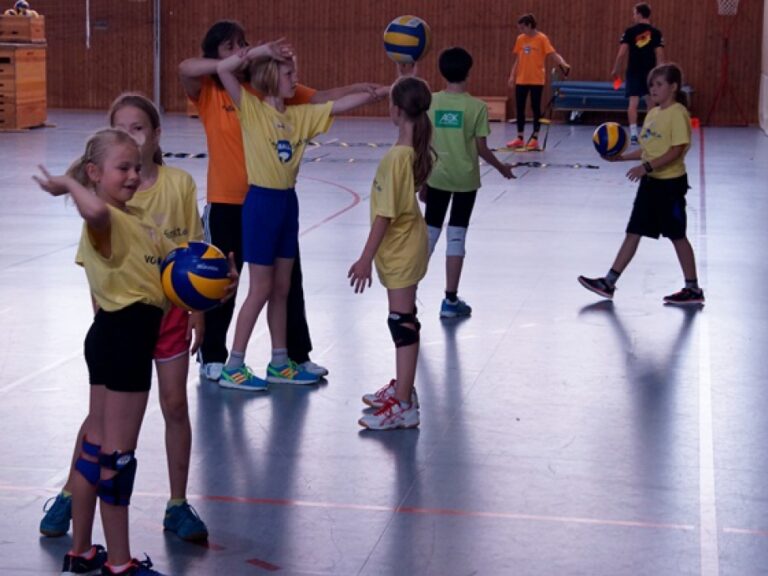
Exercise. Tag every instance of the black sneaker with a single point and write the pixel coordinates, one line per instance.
(598, 286)
(686, 297)
(77, 565)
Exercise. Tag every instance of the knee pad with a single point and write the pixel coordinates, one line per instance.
(403, 335)
(456, 238)
(89, 469)
(118, 489)
(433, 233)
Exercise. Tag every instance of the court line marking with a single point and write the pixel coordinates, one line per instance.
(32, 375)
(356, 199)
(708, 530)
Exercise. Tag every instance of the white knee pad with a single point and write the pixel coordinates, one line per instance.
(456, 240)
(434, 236)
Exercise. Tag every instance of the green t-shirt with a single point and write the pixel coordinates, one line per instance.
(458, 119)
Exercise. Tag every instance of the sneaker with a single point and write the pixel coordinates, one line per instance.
(55, 523)
(184, 521)
(598, 286)
(686, 297)
(211, 371)
(633, 141)
(290, 373)
(314, 369)
(450, 309)
(516, 143)
(382, 395)
(143, 568)
(391, 415)
(533, 144)
(242, 379)
(91, 566)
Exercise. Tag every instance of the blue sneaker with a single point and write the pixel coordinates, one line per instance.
(78, 565)
(55, 523)
(242, 379)
(143, 568)
(184, 521)
(290, 373)
(456, 309)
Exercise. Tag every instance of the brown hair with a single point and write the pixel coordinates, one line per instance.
(527, 20)
(136, 100)
(413, 97)
(672, 74)
(96, 149)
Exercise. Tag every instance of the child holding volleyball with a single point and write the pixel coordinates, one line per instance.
(120, 252)
(275, 137)
(659, 207)
(169, 196)
(398, 245)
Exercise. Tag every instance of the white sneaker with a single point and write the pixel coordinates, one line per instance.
(211, 371)
(380, 397)
(314, 369)
(391, 416)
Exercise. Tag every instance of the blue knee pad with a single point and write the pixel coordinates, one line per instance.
(403, 335)
(118, 489)
(89, 469)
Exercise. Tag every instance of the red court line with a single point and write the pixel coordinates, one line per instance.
(263, 564)
(355, 202)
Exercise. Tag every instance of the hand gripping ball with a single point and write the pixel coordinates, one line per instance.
(610, 139)
(194, 276)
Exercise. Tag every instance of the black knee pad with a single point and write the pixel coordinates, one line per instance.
(118, 489)
(89, 469)
(403, 335)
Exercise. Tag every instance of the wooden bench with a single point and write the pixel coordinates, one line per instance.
(497, 107)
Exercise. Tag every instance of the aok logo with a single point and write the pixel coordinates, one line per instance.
(449, 118)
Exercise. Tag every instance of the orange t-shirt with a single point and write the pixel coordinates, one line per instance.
(531, 53)
(227, 178)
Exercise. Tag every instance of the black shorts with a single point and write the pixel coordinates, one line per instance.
(120, 345)
(659, 208)
(437, 207)
(636, 83)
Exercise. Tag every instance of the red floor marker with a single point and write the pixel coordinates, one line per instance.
(263, 564)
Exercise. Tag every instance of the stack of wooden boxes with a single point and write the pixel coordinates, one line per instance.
(23, 100)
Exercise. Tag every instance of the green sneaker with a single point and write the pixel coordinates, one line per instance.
(242, 379)
(290, 373)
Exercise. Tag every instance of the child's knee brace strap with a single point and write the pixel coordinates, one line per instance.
(118, 489)
(433, 234)
(403, 335)
(456, 238)
(89, 469)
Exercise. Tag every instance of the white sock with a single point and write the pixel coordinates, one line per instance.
(633, 130)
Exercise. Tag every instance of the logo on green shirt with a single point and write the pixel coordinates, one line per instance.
(449, 118)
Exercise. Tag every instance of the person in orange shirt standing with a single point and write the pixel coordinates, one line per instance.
(528, 76)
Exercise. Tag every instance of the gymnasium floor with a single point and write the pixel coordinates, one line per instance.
(559, 434)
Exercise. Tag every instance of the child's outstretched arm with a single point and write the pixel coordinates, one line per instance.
(92, 208)
(485, 153)
(360, 272)
(352, 101)
(323, 96)
(226, 70)
(192, 71)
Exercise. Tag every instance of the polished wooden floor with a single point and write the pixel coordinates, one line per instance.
(559, 434)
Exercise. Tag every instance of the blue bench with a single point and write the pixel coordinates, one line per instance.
(579, 96)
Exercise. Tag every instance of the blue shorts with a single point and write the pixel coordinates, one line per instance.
(270, 225)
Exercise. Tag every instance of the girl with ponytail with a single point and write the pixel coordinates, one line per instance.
(397, 243)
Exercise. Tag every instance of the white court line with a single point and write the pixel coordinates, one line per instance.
(36, 373)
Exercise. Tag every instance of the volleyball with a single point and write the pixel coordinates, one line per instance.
(610, 139)
(21, 7)
(406, 39)
(194, 276)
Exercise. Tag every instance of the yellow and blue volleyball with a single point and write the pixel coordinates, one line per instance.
(610, 139)
(407, 39)
(194, 276)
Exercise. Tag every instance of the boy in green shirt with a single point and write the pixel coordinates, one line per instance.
(460, 129)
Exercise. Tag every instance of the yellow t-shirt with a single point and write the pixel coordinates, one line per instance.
(274, 142)
(132, 273)
(171, 204)
(532, 53)
(663, 129)
(401, 259)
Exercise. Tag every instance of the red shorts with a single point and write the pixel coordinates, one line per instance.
(172, 341)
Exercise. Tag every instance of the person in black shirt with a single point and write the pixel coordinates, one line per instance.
(644, 45)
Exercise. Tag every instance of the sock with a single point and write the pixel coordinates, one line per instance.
(279, 357)
(119, 569)
(612, 277)
(452, 297)
(236, 360)
(633, 130)
(175, 502)
(693, 284)
(86, 555)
